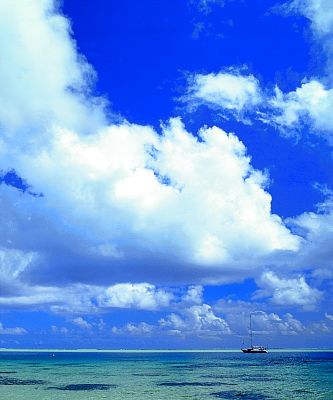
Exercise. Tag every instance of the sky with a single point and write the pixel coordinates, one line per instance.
(166, 171)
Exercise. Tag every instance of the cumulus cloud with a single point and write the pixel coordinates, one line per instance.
(12, 331)
(319, 12)
(75, 298)
(148, 197)
(140, 329)
(60, 330)
(92, 299)
(329, 316)
(122, 193)
(202, 321)
(320, 327)
(194, 295)
(135, 192)
(12, 263)
(287, 291)
(81, 322)
(80, 298)
(140, 296)
(206, 6)
(198, 320)
(230, 91)
(269, 323)
(264, 322)
(317, 230)
(309, 104)
(125, 203)
(119, 202)
(38, 90)
(195, 321)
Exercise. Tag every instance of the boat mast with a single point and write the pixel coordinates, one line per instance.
(251, 329)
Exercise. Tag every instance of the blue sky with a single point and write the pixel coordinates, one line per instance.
(165, 172)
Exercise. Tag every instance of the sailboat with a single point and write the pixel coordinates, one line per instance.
(254, 349)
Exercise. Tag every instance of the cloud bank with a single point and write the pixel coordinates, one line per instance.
(97, 216)
(110, 203)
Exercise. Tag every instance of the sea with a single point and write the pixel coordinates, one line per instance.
(166, 375)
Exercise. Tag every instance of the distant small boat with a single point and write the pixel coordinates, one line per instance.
(254, 349)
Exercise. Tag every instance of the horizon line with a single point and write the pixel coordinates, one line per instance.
(122, 350)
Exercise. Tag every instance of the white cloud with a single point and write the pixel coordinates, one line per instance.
(202, 322)
(319, 12)
(317, 229)
(80, 298)
(59, 330)
(320, 327)
(226, 90)
(264, 322)
(91, 299)
(120, 202)
(140, 329)
(194, 295)
(198, 320)
(11, 331)
(206, 6)
(13, 262)
(140, 296)
(214, 211)
(309, 104)
(329, 316)
(287, 291)
(123, 202)
(101, 324)
(269, 323)
(107, 250)
(43, 78)
(75, 298)
(81, 322)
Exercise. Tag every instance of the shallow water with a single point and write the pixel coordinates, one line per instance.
(171, 376)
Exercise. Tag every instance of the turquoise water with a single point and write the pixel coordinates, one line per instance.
(232, 375)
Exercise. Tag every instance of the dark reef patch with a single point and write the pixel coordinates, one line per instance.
(32, 364)
(260, 379)
(196, 366)
(65, 364)
(221, 376)
(148, 374)
(7, 372)
(234, 394)
(207, 384)
(303, 391)
(4, 381)
(85, 386)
